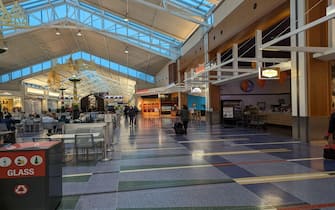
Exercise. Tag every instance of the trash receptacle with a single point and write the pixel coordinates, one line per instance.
(31, 175)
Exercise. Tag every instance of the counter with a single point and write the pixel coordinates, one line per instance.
(279, 118)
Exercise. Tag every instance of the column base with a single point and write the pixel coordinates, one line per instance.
(309, 128)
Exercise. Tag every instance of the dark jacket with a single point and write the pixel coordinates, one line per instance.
(331, 126)
(184, 115)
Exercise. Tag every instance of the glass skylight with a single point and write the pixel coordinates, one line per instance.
(45, 66)
(46, 11)
(200, 7)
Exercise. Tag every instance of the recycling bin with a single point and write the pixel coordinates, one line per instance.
(31, 175)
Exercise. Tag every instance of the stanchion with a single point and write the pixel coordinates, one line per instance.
(108, 120)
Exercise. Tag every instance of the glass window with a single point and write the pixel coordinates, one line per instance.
(72, 12)
(97, 22)
(46, 65)
(124, 70)
(109, 25)
(37, 68)
(85, 56)
(114, 66)
(120, 29)
(65, 59)
(60, 11)
(96, 59)
(150, 79)
(76, 56)
(132, 72)
(85, 17)
(104, 63)
(46, 15)
(16, 74)
(25, 71)
(5, 78)
(34, 19)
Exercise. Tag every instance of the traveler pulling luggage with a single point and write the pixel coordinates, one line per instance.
(179, 128)
(329, 149)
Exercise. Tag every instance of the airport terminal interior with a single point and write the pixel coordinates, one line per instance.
(167, 105)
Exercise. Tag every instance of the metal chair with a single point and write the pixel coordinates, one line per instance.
(60, 127)
(84, 142)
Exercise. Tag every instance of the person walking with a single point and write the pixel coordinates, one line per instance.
(331, 127)
(184, 117)
(132, 116)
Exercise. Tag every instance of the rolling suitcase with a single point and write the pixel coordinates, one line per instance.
(178, 128)
(329, 151)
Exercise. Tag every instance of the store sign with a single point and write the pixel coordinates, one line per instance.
(21, 164)
(269, 73)
(142, 91)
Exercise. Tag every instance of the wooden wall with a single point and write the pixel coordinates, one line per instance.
(318, 72)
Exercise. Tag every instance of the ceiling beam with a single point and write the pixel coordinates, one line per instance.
(164, 9)
(298, 30)
(298, 49)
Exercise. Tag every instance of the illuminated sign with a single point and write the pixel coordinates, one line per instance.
(200, 68)
(269, 73)
(35, 91)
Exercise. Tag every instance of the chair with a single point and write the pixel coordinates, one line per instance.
(60, 127)
(84, 142)
(98, 139)
(19, 127)
(28, 125)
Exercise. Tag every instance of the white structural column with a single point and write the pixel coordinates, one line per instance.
(258, 51)
(207, 94)
(179, 80)
(218, 62)
(331, 26)
(298, 73)
(235, 59)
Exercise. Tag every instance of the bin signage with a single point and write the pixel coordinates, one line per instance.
(14, 165)
(21, 189)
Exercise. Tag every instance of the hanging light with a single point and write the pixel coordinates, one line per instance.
(126, 50)
(79, 33)
(58, 32)
(269, 73)
(3, 46)
(196, 90)
(126, 16)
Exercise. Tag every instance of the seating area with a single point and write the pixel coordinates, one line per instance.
(152, 168)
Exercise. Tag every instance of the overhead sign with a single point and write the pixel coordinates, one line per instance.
(19, 164)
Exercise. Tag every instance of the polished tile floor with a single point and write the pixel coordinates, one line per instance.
(210, 168)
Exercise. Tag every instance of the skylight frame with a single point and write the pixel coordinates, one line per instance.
(47, 65)
(200, 7)
(109, 23)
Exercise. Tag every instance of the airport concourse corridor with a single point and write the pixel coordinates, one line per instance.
(210, 168)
